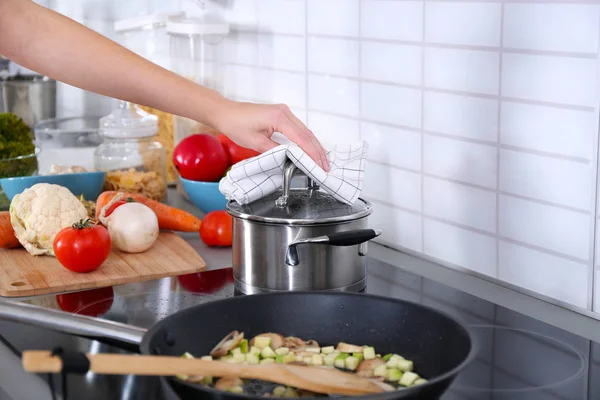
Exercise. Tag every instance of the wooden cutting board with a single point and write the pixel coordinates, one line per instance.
(22, 274)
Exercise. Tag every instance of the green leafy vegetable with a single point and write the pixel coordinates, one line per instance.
(16, 140)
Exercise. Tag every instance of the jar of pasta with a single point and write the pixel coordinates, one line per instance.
(133, 160)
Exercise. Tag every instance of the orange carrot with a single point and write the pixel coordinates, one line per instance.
(8, 240)
(169, 218)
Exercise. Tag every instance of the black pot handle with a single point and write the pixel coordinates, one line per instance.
(348, 238)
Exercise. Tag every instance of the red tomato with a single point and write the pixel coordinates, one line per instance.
(216, 229)
(200, 157)
(82, 247)
(235, 152)
(206, 282)
(93, 302)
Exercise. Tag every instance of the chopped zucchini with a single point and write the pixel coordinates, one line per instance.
(393, 375)
(252, 358)
(187, 355)
(239, 358)
(387, 357)
(267, 361)
(307, 360)
(235, 351)
(378, 355)
(279, 359)
(288, 358)
(369, 353)
(392, 363)
(279, 391)
(380, 370)
(262, 341)
(351, 363)
(359, 356)
(244, 346)
(329, 360)
(236, 389)
(313, 349)
(397, 357)
(267, 352)
(299, 358)
(408, 378)
(327, 350)
(255, 350)
(317, 359)
(207, 380)
(419, 381)
(206, 358)
(405, 365)
(282, 351)
(340, 360)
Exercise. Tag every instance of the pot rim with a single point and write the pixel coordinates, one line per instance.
(366, 211)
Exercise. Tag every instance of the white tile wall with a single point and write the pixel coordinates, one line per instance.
(475, 24)
(458, 160)
(391, 104)
(461, 115)
(460, 204)
(552, 27)
(460, 247)
(333, 17)
(481, 117)
(342, 56)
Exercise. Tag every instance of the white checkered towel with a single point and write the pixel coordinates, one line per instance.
(257, 177)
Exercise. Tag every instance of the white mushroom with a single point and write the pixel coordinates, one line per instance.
(228, 343)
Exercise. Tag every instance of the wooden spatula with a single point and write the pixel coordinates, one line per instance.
(315, 379)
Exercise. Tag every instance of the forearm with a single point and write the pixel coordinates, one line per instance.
(56, 46)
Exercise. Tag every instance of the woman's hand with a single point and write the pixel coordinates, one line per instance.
(252, 125)
(51, 44)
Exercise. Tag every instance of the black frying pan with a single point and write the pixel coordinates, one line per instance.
(439, 345)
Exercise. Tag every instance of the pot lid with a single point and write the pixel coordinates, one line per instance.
(304, 207)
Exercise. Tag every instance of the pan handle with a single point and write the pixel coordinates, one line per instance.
(124, 336)
(348, 238)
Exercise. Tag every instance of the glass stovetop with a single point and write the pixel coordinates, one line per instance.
(520, 358)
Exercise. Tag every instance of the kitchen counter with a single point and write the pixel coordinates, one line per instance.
(521, 357)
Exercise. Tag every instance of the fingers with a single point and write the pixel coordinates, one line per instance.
(306, 140)
(265, 144)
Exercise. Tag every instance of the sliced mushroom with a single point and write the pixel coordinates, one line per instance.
(294, 343)
(311, 343)
(367, 367)
(277, 340)
(348, 348)
(228, 382)
(228, 343)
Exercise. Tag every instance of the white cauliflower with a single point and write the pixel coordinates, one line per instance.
(40, 212)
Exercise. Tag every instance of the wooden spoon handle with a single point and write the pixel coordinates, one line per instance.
(121, 364)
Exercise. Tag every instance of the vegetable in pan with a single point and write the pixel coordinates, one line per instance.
(364, 361)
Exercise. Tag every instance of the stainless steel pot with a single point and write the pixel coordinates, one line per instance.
(300, 239)
(32, 98)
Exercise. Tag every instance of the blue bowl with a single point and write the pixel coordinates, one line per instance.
(87, 183)
(204, 195)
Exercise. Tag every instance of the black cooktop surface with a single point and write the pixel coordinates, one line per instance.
(520, 357)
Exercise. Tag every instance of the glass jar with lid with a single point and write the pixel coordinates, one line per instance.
(146, 36)
(133, 160)
(197, 53)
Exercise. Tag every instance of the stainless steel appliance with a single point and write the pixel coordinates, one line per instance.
(300, 239)
(31, 97)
